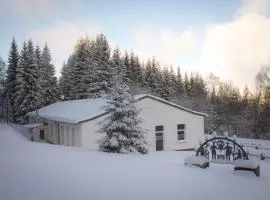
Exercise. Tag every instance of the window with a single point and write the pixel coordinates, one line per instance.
(159, 128)
(41, 134)
(181, 131)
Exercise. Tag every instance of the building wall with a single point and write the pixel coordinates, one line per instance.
(58, 132)
(64, 133)
(154, 113)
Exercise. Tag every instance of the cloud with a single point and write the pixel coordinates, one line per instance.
(236, 50)
(259, 7)
(163, 44)
(176, 42)
(27, 8)
(144, 43)
(62, 36)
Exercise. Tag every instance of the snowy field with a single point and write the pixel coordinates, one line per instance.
(35, 171)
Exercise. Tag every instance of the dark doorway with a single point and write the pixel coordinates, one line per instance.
(41, 134)
(159, 138)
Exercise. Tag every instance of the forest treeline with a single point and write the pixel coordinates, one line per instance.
(94, 67)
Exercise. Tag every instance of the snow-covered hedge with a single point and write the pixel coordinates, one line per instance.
(251, 164)
(196, 160)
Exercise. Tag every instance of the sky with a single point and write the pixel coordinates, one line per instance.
(229, 38)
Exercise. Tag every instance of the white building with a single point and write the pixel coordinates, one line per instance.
(76, 123)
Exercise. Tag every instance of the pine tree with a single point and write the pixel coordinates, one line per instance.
(78, 63)
(122, 126)
(173, 83)
(101, 61)
(153, 76)
(126, 62)
(135, 69)
(31, 99)
(2, 76)
(2, 85)
(166, 89)
(118, 64)
(20, 86)
(65, 81)
(187, 85)
(38, 56)
(179, 81)
(48, 81)
(13, 62)
(93, 78)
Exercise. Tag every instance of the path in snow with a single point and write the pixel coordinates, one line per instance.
(34, 171)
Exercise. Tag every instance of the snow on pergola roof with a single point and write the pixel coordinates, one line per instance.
(78, 111)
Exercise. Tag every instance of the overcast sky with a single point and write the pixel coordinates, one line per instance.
(230, 38)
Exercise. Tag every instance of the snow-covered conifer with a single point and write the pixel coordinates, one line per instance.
(20, 86)
(32, 93)
(48, 81)
(13, 62)
(101, 62)
(122, 126)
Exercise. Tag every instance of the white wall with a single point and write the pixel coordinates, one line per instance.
(90, 134)
(155, 113)
(69, 134)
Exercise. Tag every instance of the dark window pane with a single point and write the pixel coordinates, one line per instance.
(181, 135)
(41, 134)
(159, 128)
(159, 136)
(159, 145)
(180, 126)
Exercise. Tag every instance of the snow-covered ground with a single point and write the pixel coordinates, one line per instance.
(256, 147)
(34, 171)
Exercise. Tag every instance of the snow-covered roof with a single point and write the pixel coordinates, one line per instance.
(33, 125)
(73, 111)
(76, 111)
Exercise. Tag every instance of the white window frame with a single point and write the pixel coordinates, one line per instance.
(182, 130)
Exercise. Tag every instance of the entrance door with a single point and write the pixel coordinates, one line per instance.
(159, 141)
(159, 138)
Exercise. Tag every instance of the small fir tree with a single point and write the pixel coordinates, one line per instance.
(122, 126)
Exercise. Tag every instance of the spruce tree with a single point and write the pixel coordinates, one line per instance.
(153, 76)
(20, 86)
(2, 76)
(32, 93)
(93, 81)
(122, 126)
(101, 62)
(187, 86)
(166, 90)
(126, 62)
(38, 56)
(173, 83)
(13, 62)
(79, 69)
(179, 81)
(65, 81)
(135, 71)
(48, 81)
(138, 71)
